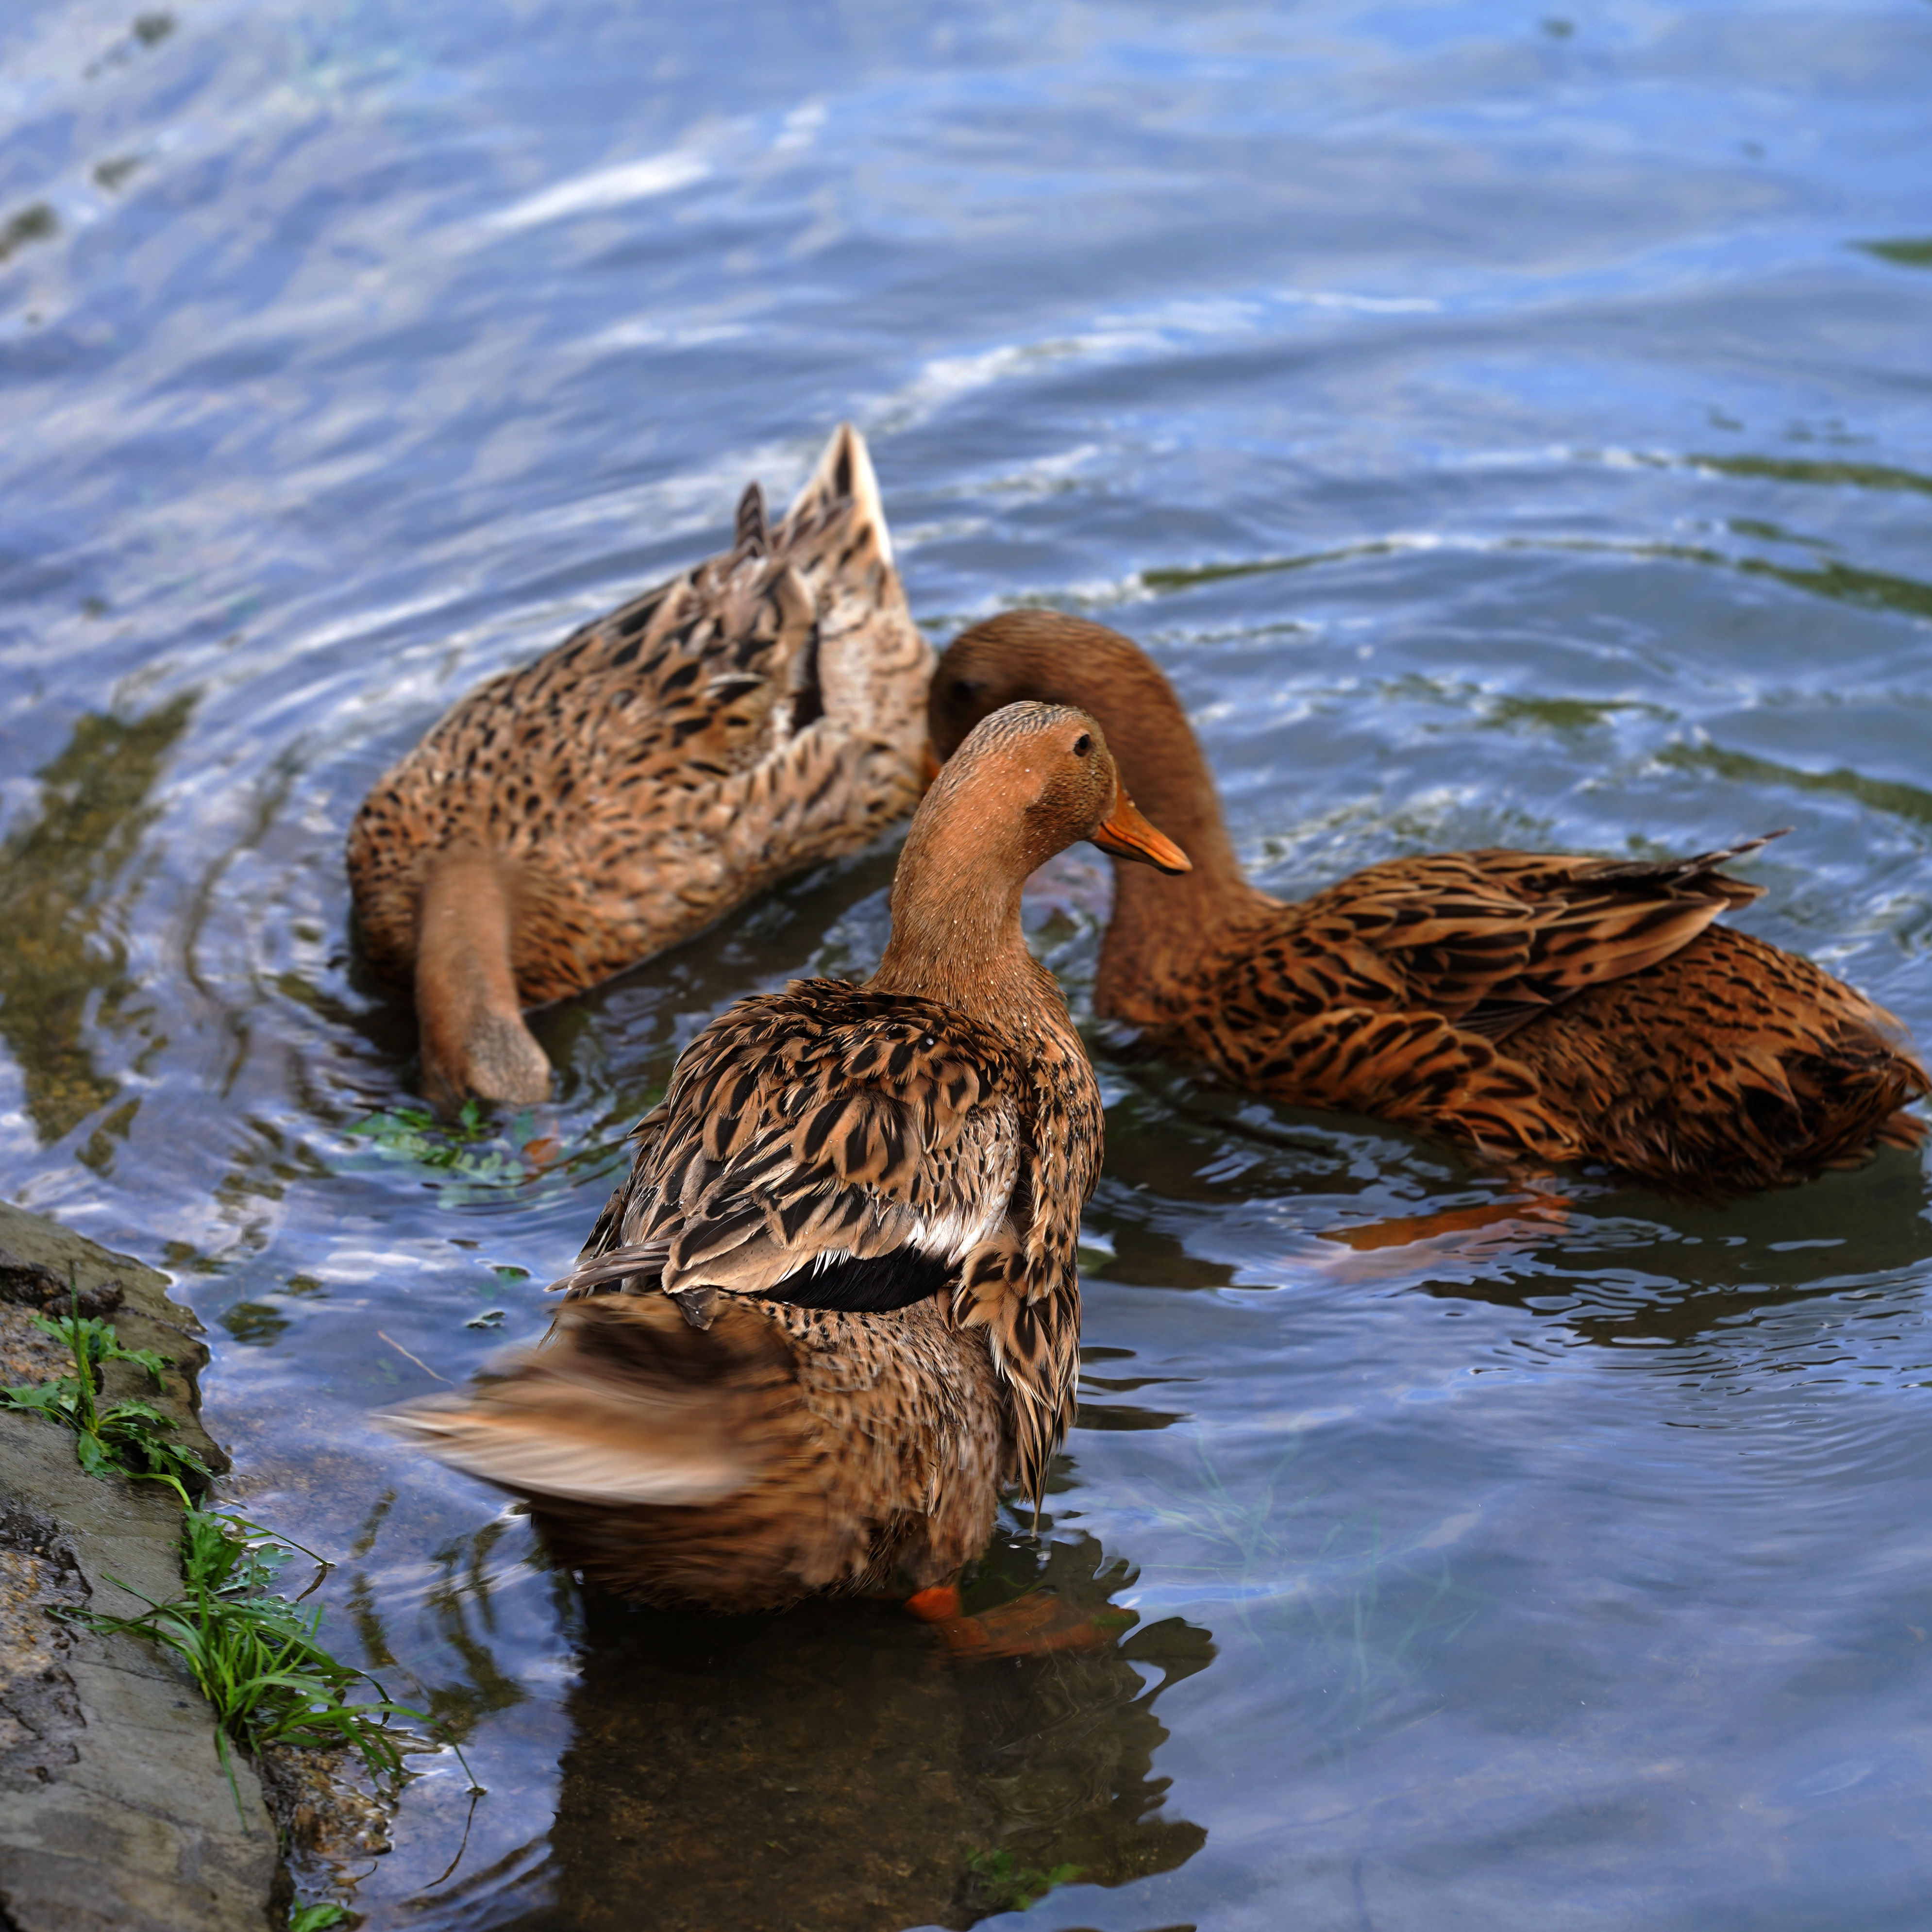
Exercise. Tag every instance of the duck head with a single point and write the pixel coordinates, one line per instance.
(1162, 929)
(1062, 660)
(1031, 778)
(1023, 784)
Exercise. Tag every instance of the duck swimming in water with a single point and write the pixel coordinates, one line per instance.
(835, 1307)
(659, 766)
(1535, 1008)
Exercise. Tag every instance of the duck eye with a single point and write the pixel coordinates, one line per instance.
(965, 689)
(1082, 745)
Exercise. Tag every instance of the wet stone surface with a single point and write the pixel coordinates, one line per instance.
(39, 1709)
(114, 1810)
(28, 1354)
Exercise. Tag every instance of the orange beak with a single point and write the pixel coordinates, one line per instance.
(1126, 835)
(929, 768)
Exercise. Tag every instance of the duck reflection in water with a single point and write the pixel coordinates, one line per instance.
(836, 1767)
(1597, 1258)
(1605, 1261)
(1705, 1267)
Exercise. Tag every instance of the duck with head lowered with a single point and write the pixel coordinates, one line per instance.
(835, 1306)
(1534, 1008)
(659, 766)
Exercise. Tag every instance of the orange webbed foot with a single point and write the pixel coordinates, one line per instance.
(935, 1605)
(1041, 1621)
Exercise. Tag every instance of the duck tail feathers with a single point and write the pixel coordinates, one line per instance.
(1668, 871)
(624, 1403)
(751, 537)
(844, 476)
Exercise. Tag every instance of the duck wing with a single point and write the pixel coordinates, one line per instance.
(1395, 992)
(1738, 1066)
(623, 1403)
(713, 669)
(1489, 940)
(827, 1147)
(832, 1148)
(1022, 1285)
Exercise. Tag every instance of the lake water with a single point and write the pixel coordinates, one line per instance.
(1505, 426)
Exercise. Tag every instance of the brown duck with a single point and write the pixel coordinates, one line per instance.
(1536, 1008)
(660, 766)
(835, 1306)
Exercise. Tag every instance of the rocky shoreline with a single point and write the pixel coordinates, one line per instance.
(115, 1810)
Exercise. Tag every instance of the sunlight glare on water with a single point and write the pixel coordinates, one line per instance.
(1505, 427)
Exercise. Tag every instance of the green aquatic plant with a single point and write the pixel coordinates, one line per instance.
(458, 1148)
(473, 1158)
(316, 1918)
(1002, 1884)
(256, 1655)
(1913, 254)
(128, 1435)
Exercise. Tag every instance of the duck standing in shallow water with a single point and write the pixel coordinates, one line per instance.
(835, 1307)
(659, 766)
(1536, 1008)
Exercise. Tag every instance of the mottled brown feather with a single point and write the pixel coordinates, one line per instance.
(662, 764)
(1534, 1008)
(939, 1126)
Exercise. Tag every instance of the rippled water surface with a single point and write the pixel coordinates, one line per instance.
(1504, 427)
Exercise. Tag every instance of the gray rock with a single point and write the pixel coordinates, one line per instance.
(114, 1810)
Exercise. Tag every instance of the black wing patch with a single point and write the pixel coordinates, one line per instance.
(875, 1285)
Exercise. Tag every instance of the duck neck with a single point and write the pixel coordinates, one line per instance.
(473, 1038)
(956, 933)
(1162, 928)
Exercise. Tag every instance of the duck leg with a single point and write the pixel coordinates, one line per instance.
(471, 1022)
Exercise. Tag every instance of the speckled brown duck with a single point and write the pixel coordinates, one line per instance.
(660, 766)
(1536, 1008)
(835, 1306)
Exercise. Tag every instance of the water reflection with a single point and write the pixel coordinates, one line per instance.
(1272, 1196)
(1097, 1409)
(836, 1768)
(64, 968)
(1622, 1267)
(461, 1613)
